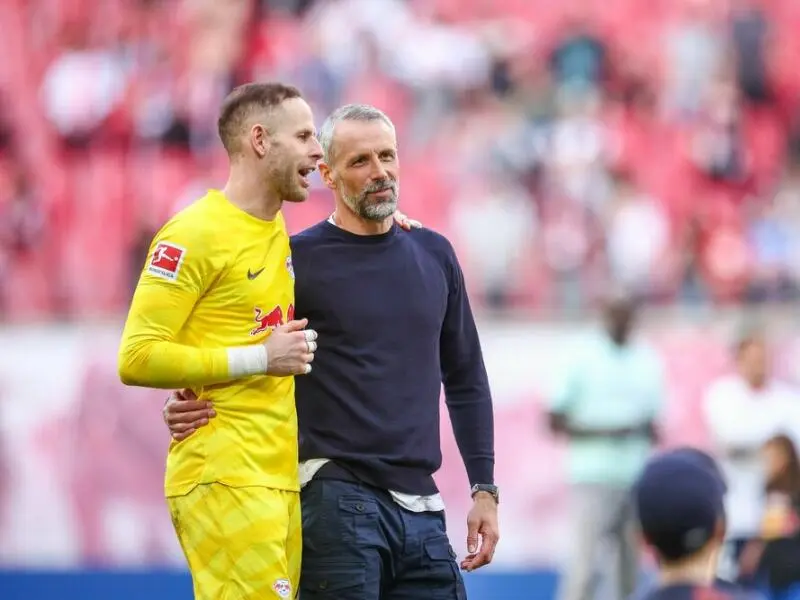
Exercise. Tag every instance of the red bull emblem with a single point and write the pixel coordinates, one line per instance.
(271, 319)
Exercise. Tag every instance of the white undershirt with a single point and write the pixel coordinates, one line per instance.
(417, 504)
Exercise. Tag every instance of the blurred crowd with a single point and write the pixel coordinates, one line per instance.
(611, 410)
(561, 146)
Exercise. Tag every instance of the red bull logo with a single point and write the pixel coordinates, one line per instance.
(272, 319)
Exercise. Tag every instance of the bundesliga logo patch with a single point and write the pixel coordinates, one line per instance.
(283, 588)
(166, 261)
(289, 266)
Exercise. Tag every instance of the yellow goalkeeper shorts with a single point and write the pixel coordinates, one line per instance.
(241, 543)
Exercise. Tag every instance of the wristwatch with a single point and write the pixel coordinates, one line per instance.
(488, 488)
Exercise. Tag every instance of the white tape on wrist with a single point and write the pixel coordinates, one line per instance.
(244, 361)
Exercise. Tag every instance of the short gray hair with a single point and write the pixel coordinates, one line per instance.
(348, 112)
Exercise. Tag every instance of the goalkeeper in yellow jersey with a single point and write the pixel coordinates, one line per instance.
(214, 311)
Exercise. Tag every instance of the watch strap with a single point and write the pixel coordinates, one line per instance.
(488, 488)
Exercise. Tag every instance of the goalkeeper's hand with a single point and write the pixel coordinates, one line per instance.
(290, 349)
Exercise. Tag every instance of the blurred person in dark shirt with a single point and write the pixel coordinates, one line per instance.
(21, 223)
(21, 220)
(750, 39)
(579, 61)
(679, 501)
(718, 147)
(782, 489)
(774, 559)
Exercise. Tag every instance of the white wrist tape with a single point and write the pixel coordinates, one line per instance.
(244, 361)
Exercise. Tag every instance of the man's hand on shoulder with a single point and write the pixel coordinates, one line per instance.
(184, 414)
(404, 222)
(483, 532)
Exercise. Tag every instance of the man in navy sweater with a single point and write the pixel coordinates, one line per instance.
(394, 323)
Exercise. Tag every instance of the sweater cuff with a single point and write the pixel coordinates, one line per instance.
(480, 470)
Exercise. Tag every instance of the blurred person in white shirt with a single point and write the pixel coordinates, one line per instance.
(634, 258)
(579, 151)
(495, 223)
(743, 411)
(693, 47)
(81, 88)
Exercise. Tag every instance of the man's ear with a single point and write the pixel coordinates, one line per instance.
(326, 174)
(259, 140)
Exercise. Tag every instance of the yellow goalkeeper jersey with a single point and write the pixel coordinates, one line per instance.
(217, 277)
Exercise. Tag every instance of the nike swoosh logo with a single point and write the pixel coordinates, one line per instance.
(251, 275)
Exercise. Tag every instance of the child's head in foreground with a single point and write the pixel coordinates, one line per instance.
(679, 502)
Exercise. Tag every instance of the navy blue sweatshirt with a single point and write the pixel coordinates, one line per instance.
(394, 323)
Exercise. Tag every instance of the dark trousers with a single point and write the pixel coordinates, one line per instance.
(358, 544)
(737, 547)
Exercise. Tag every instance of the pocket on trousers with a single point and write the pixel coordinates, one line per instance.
(336, 580)
(439, 549)
(446, 581)
(358, 516)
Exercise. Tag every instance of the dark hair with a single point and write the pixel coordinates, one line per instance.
(239, 104)
(788, 481)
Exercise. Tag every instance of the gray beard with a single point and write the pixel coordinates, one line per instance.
(372, 211)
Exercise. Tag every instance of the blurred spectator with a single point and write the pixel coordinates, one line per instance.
(567, 243)
(6, 127)
(215, 49)
(579, 60)
(579, 153)
(494, 224)
(743, 411)
(781, 517)
(694, 54)
(672, 93)
(775, 557)
(774, 236)
(607, 410)
(637, 233)
(292, 7)
(82, 87)
(718, 148)
(692, 288)
(750, 38)
(22, 219)
(724, 257)
(312, 73)
(369, 83)
(21, 225)
(154, 104)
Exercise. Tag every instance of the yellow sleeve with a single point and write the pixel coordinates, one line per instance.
(176, 274)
